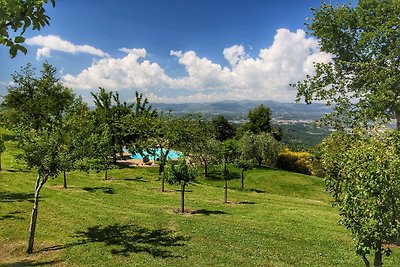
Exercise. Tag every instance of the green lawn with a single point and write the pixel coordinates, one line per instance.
(280, 219)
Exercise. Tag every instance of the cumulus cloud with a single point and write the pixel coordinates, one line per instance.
(290, 58)
(53, 42)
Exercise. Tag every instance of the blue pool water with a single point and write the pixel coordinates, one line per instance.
(171, 155)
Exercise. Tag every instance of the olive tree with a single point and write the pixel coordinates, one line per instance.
(363, 176)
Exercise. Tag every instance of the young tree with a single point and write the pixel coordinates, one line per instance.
(20, 15)
(229, 154)
(181, 174)
(361, 81)
(243, 165)
(362, 174)
(2, 148)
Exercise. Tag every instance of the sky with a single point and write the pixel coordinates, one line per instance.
(175, 51)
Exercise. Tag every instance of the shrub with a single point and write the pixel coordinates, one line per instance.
(295, 161)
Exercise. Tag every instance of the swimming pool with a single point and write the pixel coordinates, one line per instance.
(171, 155)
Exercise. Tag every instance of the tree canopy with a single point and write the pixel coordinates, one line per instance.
(362, 81)
(17, 16)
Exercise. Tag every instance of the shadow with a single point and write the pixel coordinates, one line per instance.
(16, 197)
(246, 202)
(32, 263)
(12, 170)
(217, 175)
(136, 179)
(209, 212)
(257, 191)
(12, 216)
(105, 190)
(130, 238)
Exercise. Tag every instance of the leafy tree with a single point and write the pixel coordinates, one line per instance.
(362, 174)
(243, 165)
(181, 174)
(222, 128)
(361, 81)
(2, 148)
(19, 15)
(259, 119)
(35, 101)
(263, 148)
(229, 154)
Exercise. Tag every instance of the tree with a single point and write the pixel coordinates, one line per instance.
(361, 81)
(20, 15)
(33, 101)
(2, 148)
(260, 119)
(222, 128)
(262, 148)
(362, 175)
(229, 154)
(181, 174)
(243, 165)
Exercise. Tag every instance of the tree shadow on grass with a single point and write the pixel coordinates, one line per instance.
(130, 238)
(32, 263)
(16, 197)
(12, 216)
(105, 190)
(136, 179)
(208, 212)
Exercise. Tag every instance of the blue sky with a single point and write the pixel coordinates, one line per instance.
(175, 51)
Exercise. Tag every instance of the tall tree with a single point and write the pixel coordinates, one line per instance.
(19, 15)
(362, 173)
(34, 107)
(181, 174)
(259, 119)
(362, 81)
(223, 129)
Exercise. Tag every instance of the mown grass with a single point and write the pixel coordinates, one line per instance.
(280, 219)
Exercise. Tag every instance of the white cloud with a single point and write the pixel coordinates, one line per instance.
(267, 76)
(53, 42)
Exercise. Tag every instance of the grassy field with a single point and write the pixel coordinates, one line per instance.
(280, 219)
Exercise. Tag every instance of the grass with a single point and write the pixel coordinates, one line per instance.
(280, 219)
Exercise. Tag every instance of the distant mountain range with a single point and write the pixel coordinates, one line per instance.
(237, 110)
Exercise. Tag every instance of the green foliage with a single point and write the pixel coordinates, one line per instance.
(364, 43)
(181, 173)
(259, 119)
(295, 161)
(262, 148)
(362, 174)
(18, 16)
(35, 102)
(222, 128)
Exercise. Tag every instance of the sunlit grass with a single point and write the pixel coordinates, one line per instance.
(280, 219)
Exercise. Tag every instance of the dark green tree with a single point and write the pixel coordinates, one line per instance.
(17, 16)
(181, 174)
(259, 119)
(223, 129)
(361, 81)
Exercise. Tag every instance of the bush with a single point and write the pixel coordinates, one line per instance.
(295, 161)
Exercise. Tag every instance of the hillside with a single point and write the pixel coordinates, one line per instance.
(280, 219)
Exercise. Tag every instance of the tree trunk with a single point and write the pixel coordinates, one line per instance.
(32, 227)
(183, 198)
(397, 114)
(162, 182)
(205, 170)
(378, 257)
(242, 177)
(225, 184)
(0, 161)
(105, 174)
(366, 262)
(65, 179)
